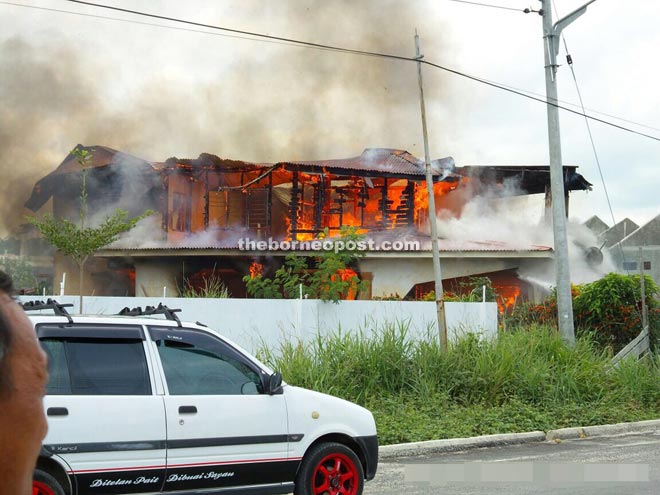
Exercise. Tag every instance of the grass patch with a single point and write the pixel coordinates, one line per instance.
(525, 380)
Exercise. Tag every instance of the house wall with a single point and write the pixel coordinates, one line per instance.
(399, 275)
(179, 205)
(631, 254)
(198, 207)
(256, 323)
(92, 285)
(152, 276)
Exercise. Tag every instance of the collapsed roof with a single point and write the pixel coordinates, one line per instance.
(103, 161)
(373, 162)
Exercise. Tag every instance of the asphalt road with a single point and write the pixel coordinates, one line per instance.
(627, 465)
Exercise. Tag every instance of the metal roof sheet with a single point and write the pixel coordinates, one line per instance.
(382, 161)
(205, 242)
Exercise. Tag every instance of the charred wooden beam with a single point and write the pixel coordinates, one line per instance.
(294, 205)
(206, 201)
(384, 204)
(319, 194)
(409, 203)
(269, 210)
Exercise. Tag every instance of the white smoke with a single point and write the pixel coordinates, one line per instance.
(518, 223)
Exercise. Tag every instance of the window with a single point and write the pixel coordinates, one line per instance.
(96, 367)
(647, 265)
(226, 209)
(203, 365)
(59, 382)
(630, 265)
(180, 214)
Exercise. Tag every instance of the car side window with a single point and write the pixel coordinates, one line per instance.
(59, 381)
(96, 367)
(202, 365)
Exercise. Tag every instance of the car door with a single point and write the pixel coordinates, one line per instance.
(104, 419)
(221, 429)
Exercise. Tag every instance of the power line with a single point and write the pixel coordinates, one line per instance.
(578, 105)
(569, 60)
(362, 52)
(247, 38)
(141, 23)
(526, 11)
(520, 93)
(248, 33)
(321, 46)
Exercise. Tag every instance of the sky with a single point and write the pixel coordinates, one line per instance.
(159, 89)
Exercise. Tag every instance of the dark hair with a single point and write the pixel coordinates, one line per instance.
(6, 286)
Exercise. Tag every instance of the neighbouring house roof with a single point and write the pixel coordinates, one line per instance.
(101, 157)
(596, 225)
(647, 235)
(617, 232)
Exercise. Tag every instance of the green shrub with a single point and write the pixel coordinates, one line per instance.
(610, 309)
(525, 380)
(206, 285)
(328, 276)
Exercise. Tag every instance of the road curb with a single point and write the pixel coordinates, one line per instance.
(604, 430)
(454, 444)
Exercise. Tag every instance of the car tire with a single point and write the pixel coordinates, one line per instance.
(332, 469)
(44, 484)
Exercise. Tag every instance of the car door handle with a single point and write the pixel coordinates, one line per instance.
(187, 410)
(57, 411)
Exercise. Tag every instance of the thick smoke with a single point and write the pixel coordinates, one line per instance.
(518, 222)
(256, 101)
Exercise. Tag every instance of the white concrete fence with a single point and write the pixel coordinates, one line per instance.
(253, 323)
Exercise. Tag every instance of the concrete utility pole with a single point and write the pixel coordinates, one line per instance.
(642, 281)
(435, 248)
(551, 36)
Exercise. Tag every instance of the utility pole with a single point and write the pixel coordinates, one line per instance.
(435, 248)
(642, 281)
(551, 36)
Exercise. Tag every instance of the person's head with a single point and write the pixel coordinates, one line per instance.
(7, 288)
(23, 377)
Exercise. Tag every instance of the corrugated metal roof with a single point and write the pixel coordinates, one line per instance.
(446, 245)
(208, 160)
(381, 161)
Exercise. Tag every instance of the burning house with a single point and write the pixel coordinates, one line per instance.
(206, 205)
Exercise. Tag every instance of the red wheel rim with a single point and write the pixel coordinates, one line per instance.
(336, 474)
(38, 488)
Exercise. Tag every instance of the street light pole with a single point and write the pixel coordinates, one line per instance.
(551, 35)
(435, 248)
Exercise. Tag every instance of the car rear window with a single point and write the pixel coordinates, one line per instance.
(96, 367)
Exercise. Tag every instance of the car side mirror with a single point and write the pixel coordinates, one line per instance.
(274, 384)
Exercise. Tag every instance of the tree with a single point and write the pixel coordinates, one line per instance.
(78, 241)
(21, 272)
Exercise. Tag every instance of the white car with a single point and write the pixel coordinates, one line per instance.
(137, 404)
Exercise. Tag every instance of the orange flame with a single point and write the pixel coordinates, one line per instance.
(256, 269)
(508, 297)
(422, 199)
(348, 275)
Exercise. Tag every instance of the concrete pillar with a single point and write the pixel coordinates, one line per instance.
(152, 275)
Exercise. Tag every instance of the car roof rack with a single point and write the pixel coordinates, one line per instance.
(161, 309)
(58, 308)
